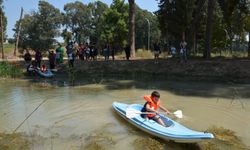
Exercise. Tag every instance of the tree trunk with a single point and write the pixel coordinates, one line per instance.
(1, 24)
(18, 32)
(194, 45)
(249, 44)
(132, 26)
(195, 21)
(207, 52)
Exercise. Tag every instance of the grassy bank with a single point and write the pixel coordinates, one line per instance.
(202, 70)
(10, 69)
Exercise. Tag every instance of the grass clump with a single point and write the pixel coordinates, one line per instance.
(12, 69)
(14, 141)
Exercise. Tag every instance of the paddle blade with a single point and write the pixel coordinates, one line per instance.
(178, 114)
(131, 113)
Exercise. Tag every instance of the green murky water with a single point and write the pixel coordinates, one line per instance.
(81, 117)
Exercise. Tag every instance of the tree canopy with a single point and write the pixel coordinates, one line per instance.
(95, 22)
(39, 29)
(175, 20)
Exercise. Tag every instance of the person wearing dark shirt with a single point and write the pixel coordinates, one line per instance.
(27, 57)
(52, 59)
(127, 52)
(38, 58)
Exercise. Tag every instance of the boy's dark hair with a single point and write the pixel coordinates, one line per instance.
(155, 94)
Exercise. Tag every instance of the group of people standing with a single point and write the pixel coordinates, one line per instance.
(90, 52)
(182, 52)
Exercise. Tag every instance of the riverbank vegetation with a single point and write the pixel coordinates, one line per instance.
(224, 139)
(8, 69)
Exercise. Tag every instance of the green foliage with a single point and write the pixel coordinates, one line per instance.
(141, 27)
(219, 35)
(229, 22)
(97, 10)
(83, 22)
(175, 17)
(40, 28)
(115, 27)
(77, 18)
(4, 19)
(12, 70)
(247, 23)
(234, 12)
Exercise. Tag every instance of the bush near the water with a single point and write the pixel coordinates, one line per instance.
(10, 70)
(224, 139)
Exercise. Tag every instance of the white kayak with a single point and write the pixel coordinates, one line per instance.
(174, 131)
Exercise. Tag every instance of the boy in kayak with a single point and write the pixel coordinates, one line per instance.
(152, 104)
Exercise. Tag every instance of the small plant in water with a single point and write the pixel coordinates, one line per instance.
(224, 139)
(72, 75)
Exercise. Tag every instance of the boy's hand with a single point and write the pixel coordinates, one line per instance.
(168, 113)
(157, 112)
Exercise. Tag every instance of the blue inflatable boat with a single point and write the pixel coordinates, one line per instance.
(174, 131)
(48, 73)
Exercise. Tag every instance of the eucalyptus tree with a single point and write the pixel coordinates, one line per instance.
(115, 26)
(97, 10)
(77, 18)
(175, 17)
(3, 24)
(229, 10)
(39, 29)
(227, 20)
(4, 20)
(131, 35)
(209, 26)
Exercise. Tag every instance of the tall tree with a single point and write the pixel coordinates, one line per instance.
(132, 26)
(194, 26)
(97, 10)
(77, 19)
(115, 26)
(4, 19)
(175, 17)
(209, 25)
(39, 29)
(228, 8)
(3, 25)
(18, 32)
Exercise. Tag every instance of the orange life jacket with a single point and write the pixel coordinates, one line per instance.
(152, 104)
(43, 69)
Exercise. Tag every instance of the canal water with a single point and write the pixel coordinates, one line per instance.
(62, 117)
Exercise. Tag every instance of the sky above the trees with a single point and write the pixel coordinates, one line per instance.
(12, 8)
